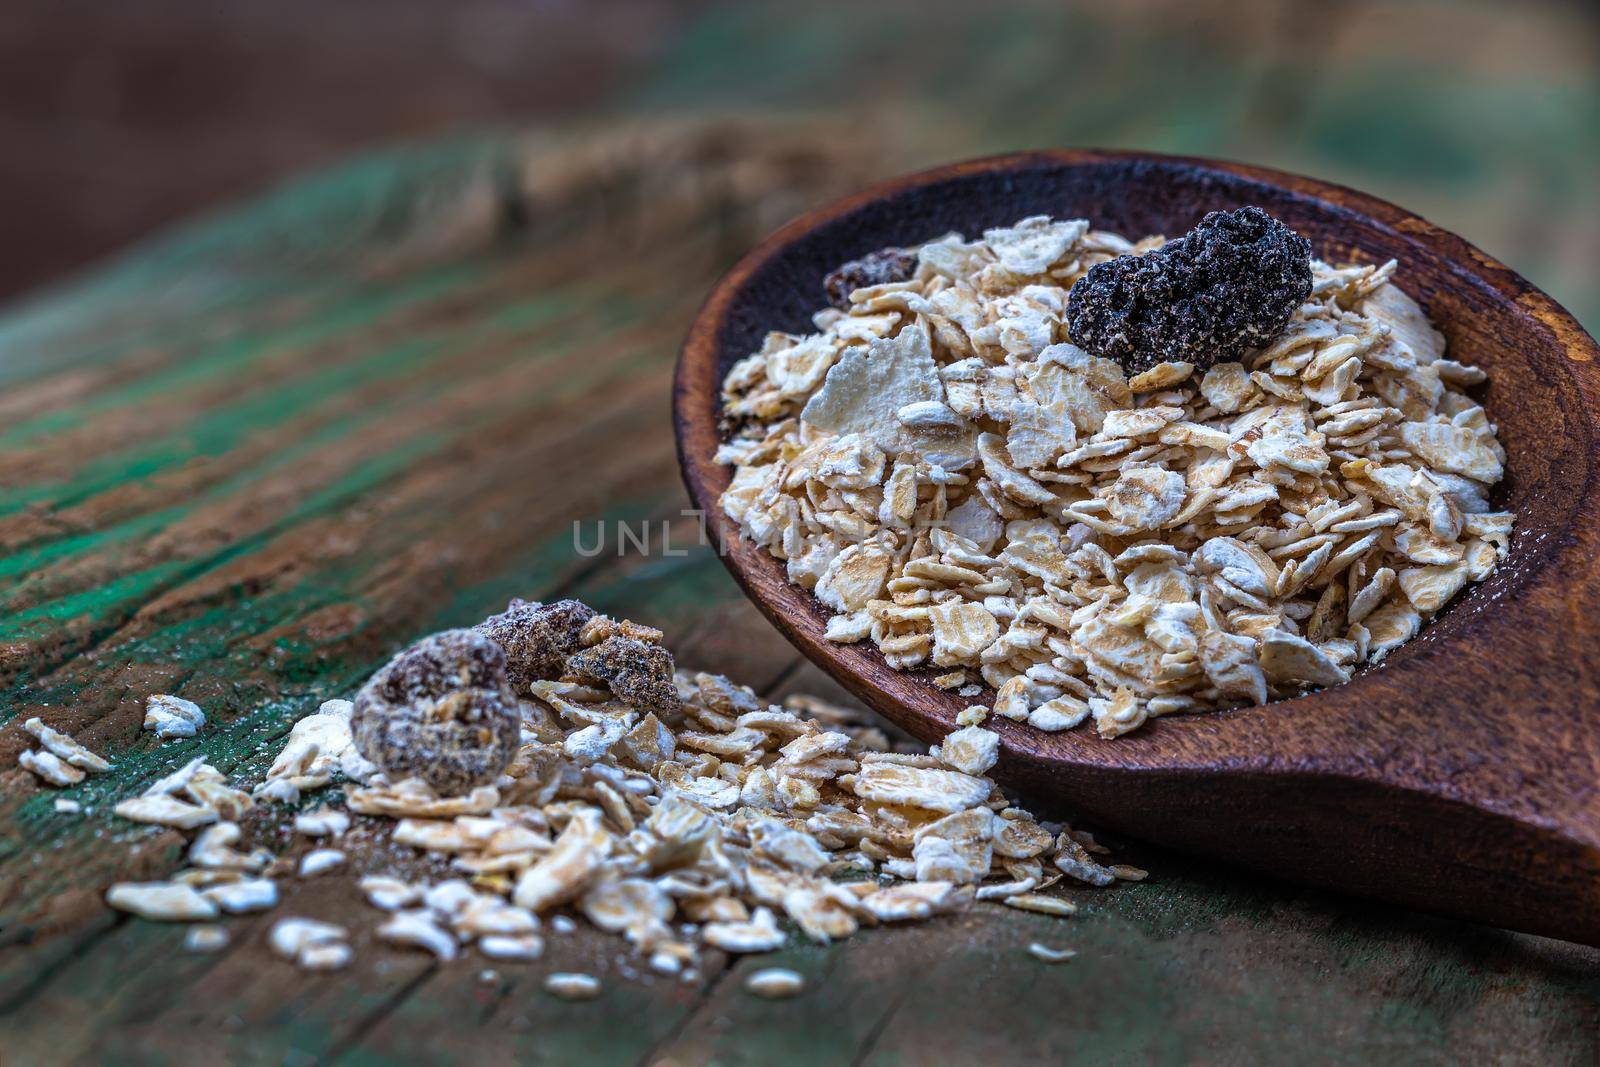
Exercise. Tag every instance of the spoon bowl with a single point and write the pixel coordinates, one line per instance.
(1463, 774)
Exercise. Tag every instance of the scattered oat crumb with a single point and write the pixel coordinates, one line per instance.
(51, 768)
(326, 956)
(1128, 873)
(505, 947)
(971, 750)
(1042, 904)
(1050, 955)
(572, 986)
(775, 983)
(213, 849)
(418, 928)
(169, 716)
(311, 944)
(161, 901)
(66, 806)
(246, 895)
(760, 933)
(390, 894)
(163, 810)
(972, 715)
(319, 861)
(205, 938)
(318, 746)
(323, 822)
(65, 748)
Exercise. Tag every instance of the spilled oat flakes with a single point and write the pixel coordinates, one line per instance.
(677, 810)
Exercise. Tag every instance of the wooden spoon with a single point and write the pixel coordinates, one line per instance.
(1463, 775)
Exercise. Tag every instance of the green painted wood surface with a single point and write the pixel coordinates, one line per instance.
(248, 460)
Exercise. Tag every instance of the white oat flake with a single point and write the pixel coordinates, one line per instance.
(205, 938)
(323, 822)
(418, 928)
(501, 947)
(570, 986)
(169, 716)
(247, 895)
(164, 810)
(320, 861)
(65, 748)
(1037, 902)
(775, 983)
(1049, 954)
(311, 944)
(49, 767)
(161, 901)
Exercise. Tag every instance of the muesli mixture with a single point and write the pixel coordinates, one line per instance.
(1117, 479)
(677, 810)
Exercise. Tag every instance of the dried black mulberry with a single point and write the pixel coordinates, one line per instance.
(443, 711)
(1228, 286)
(876, 268)
(537, 638)
(638, 672)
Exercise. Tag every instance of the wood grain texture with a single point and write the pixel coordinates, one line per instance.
(1463, 775)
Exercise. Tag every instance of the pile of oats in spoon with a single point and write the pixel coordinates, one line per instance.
(1114, 480)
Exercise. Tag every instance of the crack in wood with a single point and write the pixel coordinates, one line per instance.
(88, 940)
(873, 1036)
(707, 991)
(371, 1022)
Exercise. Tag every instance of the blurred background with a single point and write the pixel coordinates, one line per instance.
(1485, 117)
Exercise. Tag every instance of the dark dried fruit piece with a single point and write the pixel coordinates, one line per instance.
(537, 638)
(638, 672)
(443, 711)
(1227, 286)
(876, 268)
